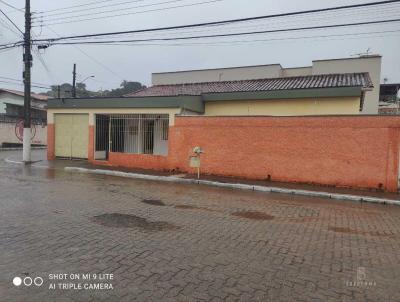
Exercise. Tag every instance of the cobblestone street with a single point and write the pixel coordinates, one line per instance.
(174, 242)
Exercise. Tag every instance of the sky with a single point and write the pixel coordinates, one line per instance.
(111, 64)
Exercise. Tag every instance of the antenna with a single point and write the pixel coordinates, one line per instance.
(366, 53)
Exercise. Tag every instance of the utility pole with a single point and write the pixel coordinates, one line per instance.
(74, 82)
(27, 57)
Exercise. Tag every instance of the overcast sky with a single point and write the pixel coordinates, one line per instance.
(112, 64)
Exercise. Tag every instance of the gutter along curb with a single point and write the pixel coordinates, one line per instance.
(238, 186)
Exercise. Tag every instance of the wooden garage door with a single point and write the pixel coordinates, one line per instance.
(72, 135)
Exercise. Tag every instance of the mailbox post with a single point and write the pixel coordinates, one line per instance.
(195, 160)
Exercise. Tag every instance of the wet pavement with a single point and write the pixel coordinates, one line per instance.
(102, 238)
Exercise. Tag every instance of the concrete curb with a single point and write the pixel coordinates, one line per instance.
(20, 149)
(20, 162)
(239, 186)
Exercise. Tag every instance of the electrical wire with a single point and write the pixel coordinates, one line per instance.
(257, 40)
(13, 7)
(21, 84)
(44, 15)
(5, 25)
(79, 5)
(270, 25)
(223, 22)
(12, 22)
(110, 11)
(231, 34)
(12, 79)
(139, 12)
(91, 58)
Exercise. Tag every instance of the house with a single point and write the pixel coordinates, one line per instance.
(388, 103)
(260, 122)
(95, 128)
(12, 104)
(365, 63)
(11, 115)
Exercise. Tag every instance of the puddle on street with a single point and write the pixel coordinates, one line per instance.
(118, 220)
(253, 215)
(153, 202)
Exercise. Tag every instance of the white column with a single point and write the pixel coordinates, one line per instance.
(26, 144)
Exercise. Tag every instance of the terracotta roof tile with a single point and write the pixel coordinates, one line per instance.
(287, 83)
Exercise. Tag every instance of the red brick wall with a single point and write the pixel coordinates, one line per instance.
(347, 151)
(142, 161)
(352, 151)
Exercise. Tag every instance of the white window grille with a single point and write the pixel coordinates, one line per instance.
(131, 133)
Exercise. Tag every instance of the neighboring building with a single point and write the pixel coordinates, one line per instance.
(366, 63)
(388, 103)
(11, 115)
(12, 104)
(97, 128)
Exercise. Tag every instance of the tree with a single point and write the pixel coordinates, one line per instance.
(126, 87)
(65, 91)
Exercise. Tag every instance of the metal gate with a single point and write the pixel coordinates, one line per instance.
(71, 135)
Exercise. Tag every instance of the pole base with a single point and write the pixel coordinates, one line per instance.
(26, 146)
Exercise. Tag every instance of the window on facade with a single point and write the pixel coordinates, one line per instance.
(131, 133)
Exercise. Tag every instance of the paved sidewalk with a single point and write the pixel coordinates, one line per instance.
(350, 194)
(177, 242)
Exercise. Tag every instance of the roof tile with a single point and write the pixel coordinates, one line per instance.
(287, 83)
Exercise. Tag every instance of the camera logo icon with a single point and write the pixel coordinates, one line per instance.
(28, 281)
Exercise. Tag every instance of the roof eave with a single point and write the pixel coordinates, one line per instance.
(284, 94)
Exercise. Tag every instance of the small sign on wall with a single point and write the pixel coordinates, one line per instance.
(194, 162)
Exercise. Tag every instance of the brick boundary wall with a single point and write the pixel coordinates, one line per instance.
(344, 151)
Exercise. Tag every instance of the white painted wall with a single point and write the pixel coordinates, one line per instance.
(216, 75)
(11, 99)
(371, 64)
(7, 134)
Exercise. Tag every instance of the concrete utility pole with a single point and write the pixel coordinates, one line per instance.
(74, 82)
(27, 57)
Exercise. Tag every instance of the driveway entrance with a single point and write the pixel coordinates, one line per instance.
(72, 135)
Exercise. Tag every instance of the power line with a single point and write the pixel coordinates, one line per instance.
(111, 11)
(269, 24)
(224, 22)
(12, 79)
(86, 9)
(5, 25)
(92, 58)
(21, 84)
(79, 5)
(13, 7)
(11, 45)
(232, 34)
(259, 40)
(11, 21)
(140, 12)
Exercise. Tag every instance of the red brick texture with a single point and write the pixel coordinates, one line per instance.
(352, 151)
(345, 151)
(51, 142)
